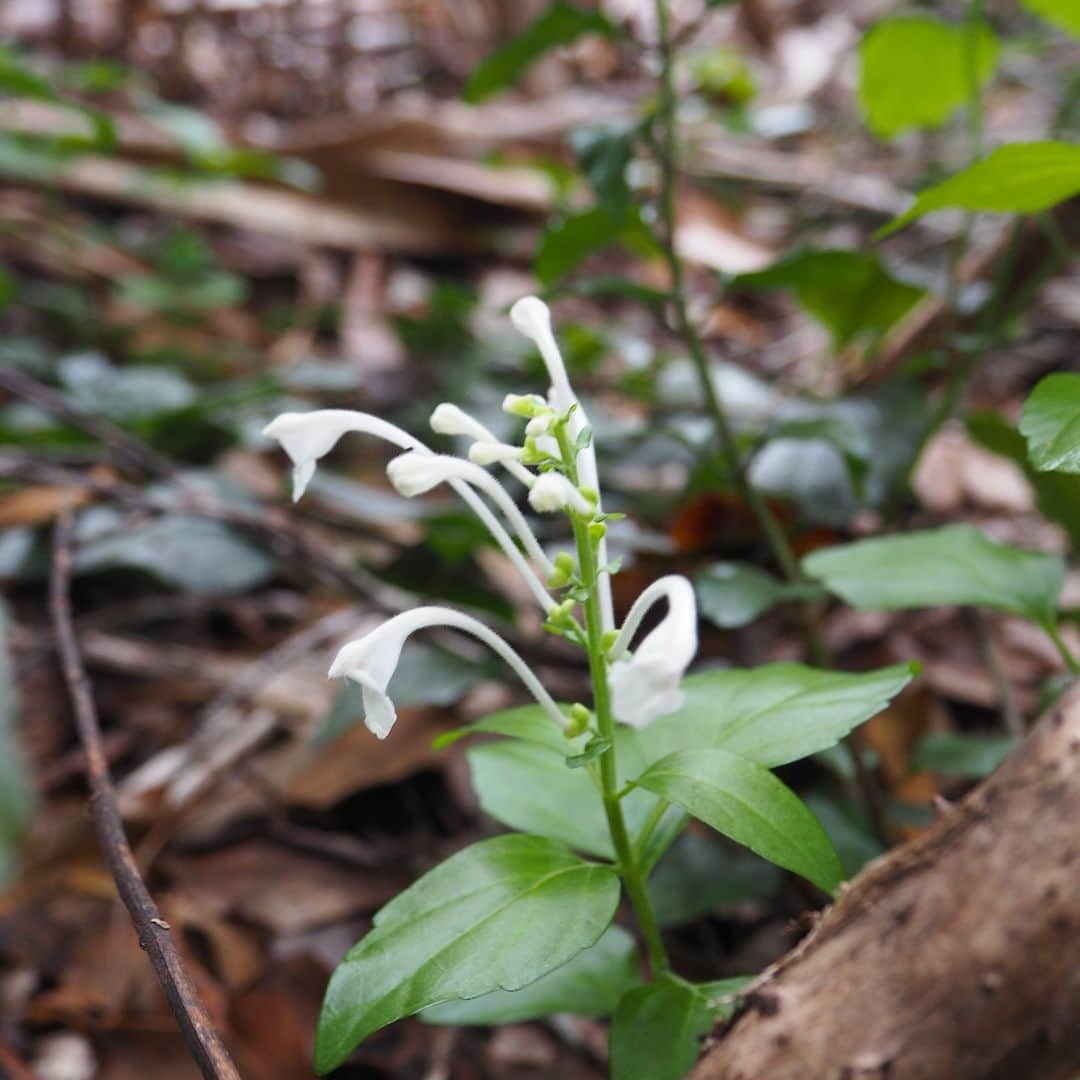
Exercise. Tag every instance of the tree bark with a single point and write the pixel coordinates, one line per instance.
(956, 956)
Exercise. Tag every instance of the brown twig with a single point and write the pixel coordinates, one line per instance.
(155, 936)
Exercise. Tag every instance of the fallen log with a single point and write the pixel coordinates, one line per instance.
(956, 956)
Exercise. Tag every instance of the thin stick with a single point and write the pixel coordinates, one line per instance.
(155, 936)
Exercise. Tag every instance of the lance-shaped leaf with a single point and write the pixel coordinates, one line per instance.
(560, 24)
(496, 916)
(1051, 423)
(589, 985)
(772, 714)
(1021, 178)
(746, 803)
(956, 564)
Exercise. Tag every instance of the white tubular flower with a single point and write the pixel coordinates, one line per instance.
(489, 452)
(448, 419)
(371, 661)
(416, 473)
(532, 317)
(552, 491)
(307, 437)
(646, 686)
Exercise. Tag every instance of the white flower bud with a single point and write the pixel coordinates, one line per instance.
(448, 419)
(488, 452)
(552, 491)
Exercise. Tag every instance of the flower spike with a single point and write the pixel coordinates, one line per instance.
(370, 661)
(532, 317)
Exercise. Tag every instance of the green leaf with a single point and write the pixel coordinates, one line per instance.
(191, 553)
(1051, 423)
(746, 803)
(16, 793)
(850, 292)
(956, 564)
(733, 594)
(569, 240)
(701, 873)
(657, 1030)
(602, 152)
(530, 788)
(772, 714)
(1062, 13)
(914, 71)
(588, 985)
(1057, 494)
(848, 828)
(560, 24)
(496, 916)
(968, 756)
(1021, 178)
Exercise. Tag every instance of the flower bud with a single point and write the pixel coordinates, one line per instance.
(488, 452)
(597, 531)
(552, 491)
(527, 405)
(448, 419)
(579, 721)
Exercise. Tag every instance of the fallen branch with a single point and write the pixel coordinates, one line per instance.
(155, 936)
(957, 955)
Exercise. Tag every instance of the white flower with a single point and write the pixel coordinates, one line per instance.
(371, 661)
(532, 317)
(646, 686)
(416, 473)
(489, 452)
(307, 437)
(552, 491)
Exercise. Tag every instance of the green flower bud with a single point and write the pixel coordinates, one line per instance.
(608, 639)
(579, 721)
(597, 531)
(526, 405)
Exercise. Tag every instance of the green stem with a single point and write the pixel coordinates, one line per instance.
(627, 864)
(1054, 634)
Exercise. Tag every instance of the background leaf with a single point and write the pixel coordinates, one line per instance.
(956, 564)
(657, 1030)
(850, 292)
(560, 24)
(498, 915)
(1062, 13)
(16, 793)
(588, 985)
(746, 803)
(913, 71)
(731, 594)
(1021, 178)
(956, 754)
(191, 553)
(703, 872)
(1051, 423)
